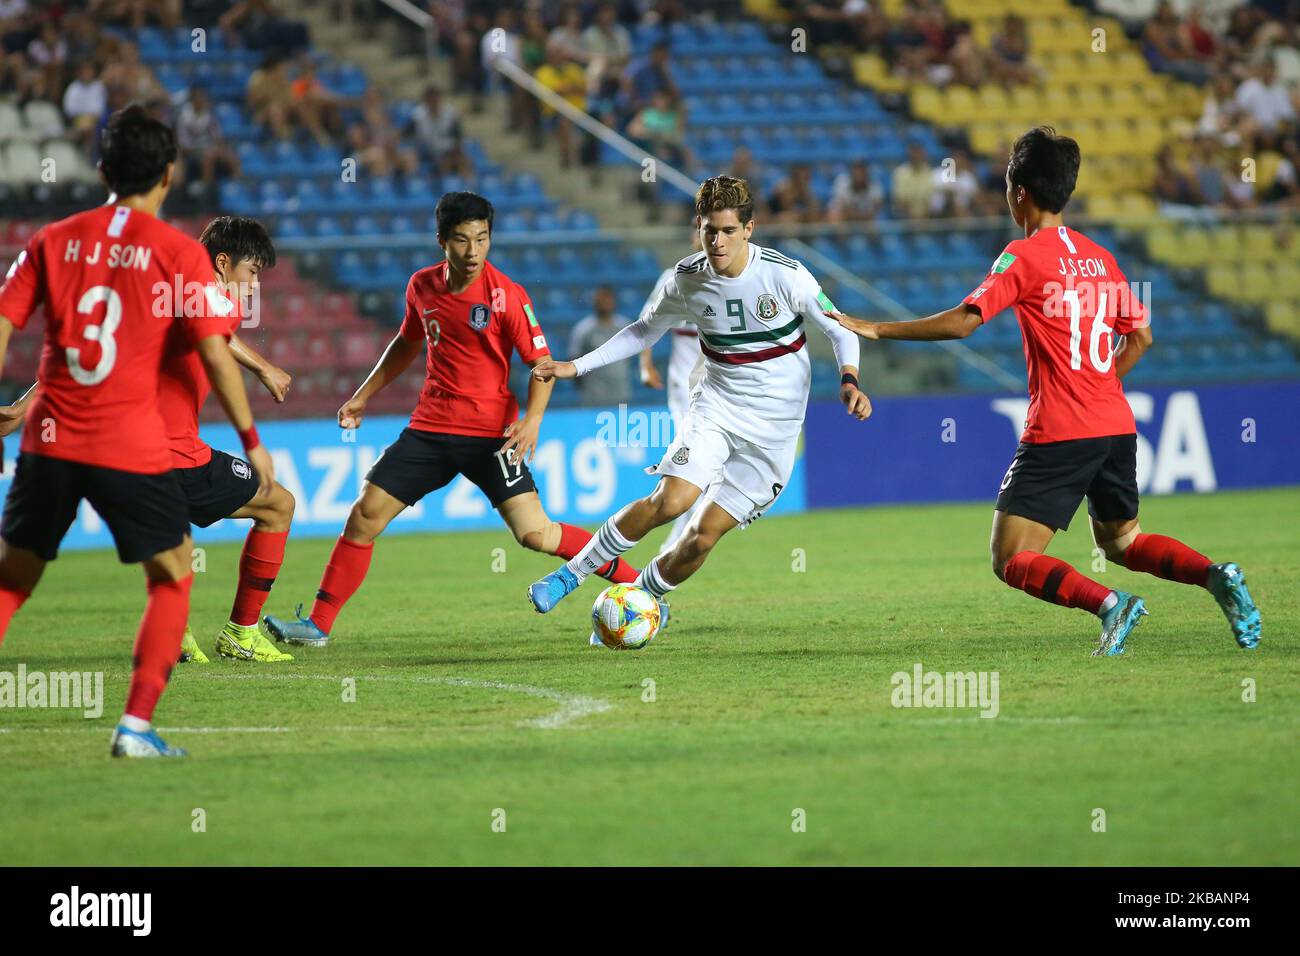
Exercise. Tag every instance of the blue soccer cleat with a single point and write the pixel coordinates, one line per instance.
(663, 613)
(1227, 582)
(133, 743)
(552, 589)
(595, 641)
(302, 631)
(1118, 623)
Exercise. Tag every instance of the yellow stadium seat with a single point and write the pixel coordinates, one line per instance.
(926, 102)
(959, 106)
(1194, 247)
(1284, 318)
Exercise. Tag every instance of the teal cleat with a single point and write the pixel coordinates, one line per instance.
(664, 608)
(595, 641)
(552, 589)
(132, 743)
(1118, 623)
(302, 631)
(1227, 582)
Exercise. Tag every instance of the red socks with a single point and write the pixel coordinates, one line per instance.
(10, 602)
(573, 539)
(258, 567)
(1052, 580)
(1167, 558)
(344, 573)
(158, 643)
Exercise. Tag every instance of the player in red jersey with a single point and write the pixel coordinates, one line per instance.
(467, 317)
(217, 485)
(1080, 439)
(113, 282)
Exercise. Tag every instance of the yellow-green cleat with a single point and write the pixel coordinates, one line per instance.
(247, 643)
(191, 653)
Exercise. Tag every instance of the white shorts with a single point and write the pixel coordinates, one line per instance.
(742, 478)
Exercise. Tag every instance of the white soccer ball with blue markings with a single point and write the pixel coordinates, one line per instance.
(626, 617)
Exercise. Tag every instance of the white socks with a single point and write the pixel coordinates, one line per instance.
(605, 545)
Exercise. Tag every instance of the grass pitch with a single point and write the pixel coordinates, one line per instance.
(772, 704)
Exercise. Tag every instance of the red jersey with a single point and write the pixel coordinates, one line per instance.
(114, 281)
(470, 337)
(183, 389)
(1070, 296)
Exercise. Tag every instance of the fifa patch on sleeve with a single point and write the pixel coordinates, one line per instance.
(539, 341)
(1003, 263)
(825, 302)
(528, 311)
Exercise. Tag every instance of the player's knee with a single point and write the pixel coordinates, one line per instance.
(279, 509)
(530, 538)
(673, 504)
(364, 524)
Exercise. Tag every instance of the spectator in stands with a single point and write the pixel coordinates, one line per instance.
(912, 184)
(130, 80)
(1222, 116)
(48, 55)
(534, 39)
(648, 76)
(85, 103)
(136, 13)
(661, 129)
(436, 126)
(503, 42)
(1174, 183)
(268, 97)
(317, 109)
(568, 80)
(609, 386)
(607, 38)
(793, 199)
(1010, 51)
(955, 186)
(198, 132)
(855, 195)
(839, 22)
(258, 25)
(567, 36)
(1207, 171)
(1265, 98)
(1167, 47)
(375, 141)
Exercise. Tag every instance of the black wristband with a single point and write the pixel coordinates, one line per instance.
(849, 379)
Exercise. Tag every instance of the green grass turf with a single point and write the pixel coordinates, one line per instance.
(772, 693)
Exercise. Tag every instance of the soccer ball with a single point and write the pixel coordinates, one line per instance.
(626, 617)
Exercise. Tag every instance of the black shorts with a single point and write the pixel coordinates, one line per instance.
(1046, 482)
(145, 513)
(420, 462)
(218, 489)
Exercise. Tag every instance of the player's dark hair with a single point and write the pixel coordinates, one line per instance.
(240, 238)
(725, 192)
(455, 208)
(134, 151)
(1046, 165)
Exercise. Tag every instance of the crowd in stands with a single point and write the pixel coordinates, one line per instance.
(70, 54)
(1245, 149)
(924, 42)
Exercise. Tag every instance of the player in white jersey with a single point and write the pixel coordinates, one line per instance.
(737, 448)
(685, 368)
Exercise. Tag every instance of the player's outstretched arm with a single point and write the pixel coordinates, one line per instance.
(649, 374)
(955, 323)
(521, 435)
(11, 416)
(228, 383)
(273, 377)
(1132, 346)
(6, 330)
(397, 358)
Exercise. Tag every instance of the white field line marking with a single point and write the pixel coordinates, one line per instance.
(572, 706)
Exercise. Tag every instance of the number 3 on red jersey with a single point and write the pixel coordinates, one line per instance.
(101, 333)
